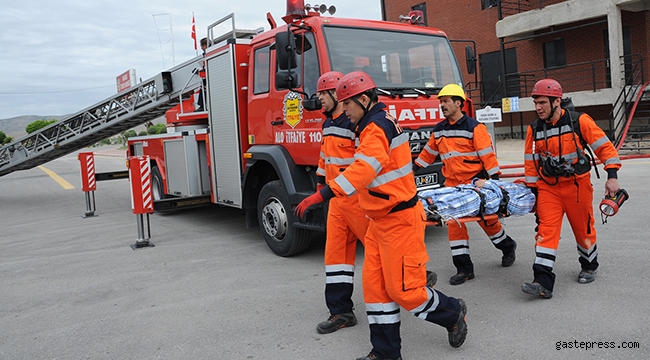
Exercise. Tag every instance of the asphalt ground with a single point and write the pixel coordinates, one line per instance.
(72, 287)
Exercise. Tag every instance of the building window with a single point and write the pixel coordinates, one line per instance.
(486, 4)
(554, 53)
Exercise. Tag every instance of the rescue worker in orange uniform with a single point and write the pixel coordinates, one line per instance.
(346, 222)
(555, 164)
(465, 148)
(394, 272)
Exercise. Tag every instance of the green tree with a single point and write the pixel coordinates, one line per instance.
(142, 133)
(152, 129)
(130, 133)
(37, 125)
(161, 129)
(3, 138)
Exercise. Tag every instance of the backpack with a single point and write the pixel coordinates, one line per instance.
(574, 117)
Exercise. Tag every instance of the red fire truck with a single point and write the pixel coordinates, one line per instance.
(256, 143)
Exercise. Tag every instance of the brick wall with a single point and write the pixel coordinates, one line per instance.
(465, 19)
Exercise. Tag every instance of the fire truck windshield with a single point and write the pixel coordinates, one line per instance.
(395, 60)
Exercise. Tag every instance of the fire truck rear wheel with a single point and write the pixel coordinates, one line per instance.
(157, 184)
(276, 218)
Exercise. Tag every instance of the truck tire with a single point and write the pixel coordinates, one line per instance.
(157, 187)
(276, 218)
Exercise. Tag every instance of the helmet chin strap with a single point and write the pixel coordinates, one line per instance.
(548, 119)
(365, 108)
(330, 112)
(329, 92)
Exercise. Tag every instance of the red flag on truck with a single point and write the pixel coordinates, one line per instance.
(194, 31)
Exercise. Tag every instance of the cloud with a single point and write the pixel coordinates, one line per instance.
(59, 57)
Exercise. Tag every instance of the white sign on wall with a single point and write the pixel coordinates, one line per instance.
(488, 115)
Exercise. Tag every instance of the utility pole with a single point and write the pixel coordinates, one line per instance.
(170, 40)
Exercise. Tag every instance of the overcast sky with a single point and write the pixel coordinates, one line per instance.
(59, 56)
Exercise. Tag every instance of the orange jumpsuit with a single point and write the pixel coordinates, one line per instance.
(466, 151)
(572, 195)
(394, 268)
(346, 222)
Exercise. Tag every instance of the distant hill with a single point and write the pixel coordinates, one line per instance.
(15, 126)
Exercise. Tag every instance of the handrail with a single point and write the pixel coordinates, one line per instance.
(513, 7)
(588, 75)
(621, 107)
(631, 116)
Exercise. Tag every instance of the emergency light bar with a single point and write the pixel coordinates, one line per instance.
(295, 7)
(415, 17)
(322, 8)
(298, 7)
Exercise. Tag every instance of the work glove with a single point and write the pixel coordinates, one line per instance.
(319, 187)
(311, 200)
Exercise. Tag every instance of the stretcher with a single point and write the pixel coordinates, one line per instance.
(461, 220)
(489, 200)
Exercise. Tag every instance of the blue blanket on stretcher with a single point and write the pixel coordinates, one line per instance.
(495, 197)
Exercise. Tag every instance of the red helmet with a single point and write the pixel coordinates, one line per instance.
(547, 87)
(329, 80)
(354, 83)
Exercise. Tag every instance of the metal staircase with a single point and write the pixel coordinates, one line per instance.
(630, 115)
(636, 135)
(145, 102)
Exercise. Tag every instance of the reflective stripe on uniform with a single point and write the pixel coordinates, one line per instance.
(391, 175)
(494, 170)
(340, 273)
(429, 306)
(484, 151)
(553, 132)
(588, 254)
(340, 132)
(383, 313)
(345, 185)
(399, 140)
(459, 247)
(454, 133)
(451, 154)
(545, 256)
(338, 161)
(598, 143)
(372, 161)
(499, 237)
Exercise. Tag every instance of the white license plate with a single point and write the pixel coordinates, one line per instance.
(426, 180)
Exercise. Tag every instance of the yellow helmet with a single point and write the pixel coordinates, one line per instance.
(452, 90)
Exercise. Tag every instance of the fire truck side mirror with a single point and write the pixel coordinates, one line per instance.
(312, 104)
(470, 58)
(285, 49)
(286, 79)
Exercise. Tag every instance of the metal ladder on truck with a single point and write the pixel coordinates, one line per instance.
(147, 101)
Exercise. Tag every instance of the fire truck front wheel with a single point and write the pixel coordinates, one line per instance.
(276, 221)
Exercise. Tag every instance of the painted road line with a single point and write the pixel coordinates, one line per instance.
(66, 185)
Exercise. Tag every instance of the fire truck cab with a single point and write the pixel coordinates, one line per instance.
(256, 144)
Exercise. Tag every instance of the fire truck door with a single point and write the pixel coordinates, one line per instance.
(225, 137)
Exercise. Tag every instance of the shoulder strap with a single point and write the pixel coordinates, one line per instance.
(575, 123)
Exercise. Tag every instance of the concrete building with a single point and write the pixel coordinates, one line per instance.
(599, 50)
